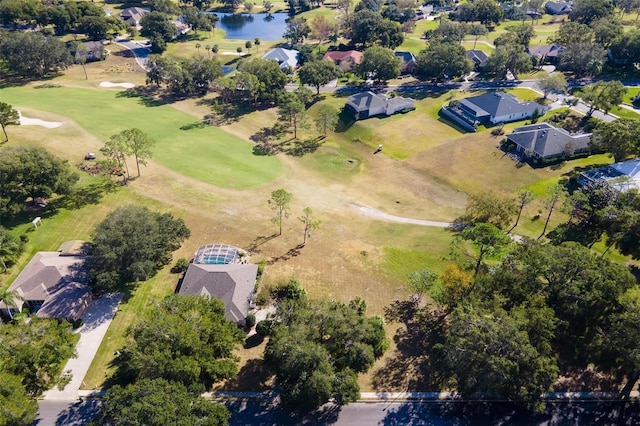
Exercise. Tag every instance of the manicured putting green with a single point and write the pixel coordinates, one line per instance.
(208, 154)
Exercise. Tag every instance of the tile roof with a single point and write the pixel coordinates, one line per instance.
(341, 55)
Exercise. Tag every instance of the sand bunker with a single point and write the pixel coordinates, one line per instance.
(110, 84)
(26, 121)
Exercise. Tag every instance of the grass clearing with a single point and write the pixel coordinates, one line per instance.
(206, 153)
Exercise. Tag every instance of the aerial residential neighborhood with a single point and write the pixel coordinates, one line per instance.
(334, 213)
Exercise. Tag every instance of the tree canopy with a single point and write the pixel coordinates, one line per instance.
(36, 351)
(27, 173)
(318, 73)
(32, 54)
(16, 407)
(379, 63)
(602, 95)
(159, 402)
(441, 60)
(181, 339)
(316, 349)
(618, 137)
(130, 245)
(8, 117)
(271, 79)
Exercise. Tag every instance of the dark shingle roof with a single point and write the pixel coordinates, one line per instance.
(558, 8)
(497, 104)
(546, 140)
(478, 57)
(405, 56)
(233, 284)
(366, 101)
(549, 51)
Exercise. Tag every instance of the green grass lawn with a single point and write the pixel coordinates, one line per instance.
(208, 154)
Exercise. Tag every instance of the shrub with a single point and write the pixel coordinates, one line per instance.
(263, 328)
(250, 320)
(181, 265)
(24, 238)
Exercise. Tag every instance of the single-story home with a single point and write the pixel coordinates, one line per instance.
(558, 8)
(479, 59)
(408, 62)
(368, 104)
(544, 141)
(490, 108)
(222, 271)
(95, 51)
(286, 58)
(133, 15)
(345, 59)
(546, 54)
(621, 176)
(181, 27)
(52, 285)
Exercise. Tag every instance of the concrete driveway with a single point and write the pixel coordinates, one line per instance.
(96, 321)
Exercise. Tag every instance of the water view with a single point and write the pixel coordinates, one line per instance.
(247, 26)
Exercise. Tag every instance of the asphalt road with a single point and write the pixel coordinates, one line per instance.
(60, 413)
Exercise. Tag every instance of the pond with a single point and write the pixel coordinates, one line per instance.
(248, 26)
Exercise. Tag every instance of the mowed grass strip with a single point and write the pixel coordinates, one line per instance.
(208, 154)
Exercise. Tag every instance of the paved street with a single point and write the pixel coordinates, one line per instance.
(64, 413)
(96, 320)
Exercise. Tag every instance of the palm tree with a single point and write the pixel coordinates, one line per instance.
(239, 50)
(256, 42)
(198, 47)
(208, 49)
(10, 298)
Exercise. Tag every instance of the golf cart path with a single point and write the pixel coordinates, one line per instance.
(377, 214)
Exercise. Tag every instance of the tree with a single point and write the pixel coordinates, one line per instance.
(239, 50)
(318, 73)
(248, 45)
(606, 31)
(17, 408)
(117, 150)
(33, 55)
(130, 245)
(422, 282)
(516, 34)
(28, 173)
(441, 60)
(297, 29)
(602, 95)
(157, 25)
(488, 207)
(256, 43)
(316, 349)
(554, 82)
(588, 11)
(488, 240)
(625, 50)
(477, 31)
(139, 144)
(279, 203)
(508, 57)
(488, 12)
(36, 351)
(310, 224)
(271, 78)
(95, 27)
(14, 12)
(572, 33)
(81, 57)
(10, 250)
(8, 117)
(326, 119)
(368, 27)
(618, 137)
(321, 28)
(524, 197)
(379, 63)
(582, 58)
(181, 339)
(554, 194)
(449, 32)
(490, 353)
(158, 402)
(292, 112)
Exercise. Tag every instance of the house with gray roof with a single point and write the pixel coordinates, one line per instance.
(368, 104)
(479, 59)
(544, 141)
(490, 108)
(133, 15)
(558, 8)
(52, 285)
(233, 284)
(286, 58)
(408, 62)
(546, 54)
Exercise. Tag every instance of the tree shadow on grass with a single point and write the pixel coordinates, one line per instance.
(292, 252)
(345, 121)
(258, 241)
(85, 195)
(254, 376)
(147, 95)
(415, 363)
(302, 147)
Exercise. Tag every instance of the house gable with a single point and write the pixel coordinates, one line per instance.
(369, 104)
(547, 141)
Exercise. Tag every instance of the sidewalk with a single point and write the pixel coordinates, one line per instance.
(96, 319)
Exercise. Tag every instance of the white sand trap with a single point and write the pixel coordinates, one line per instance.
(110, 84)
(26, 121)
